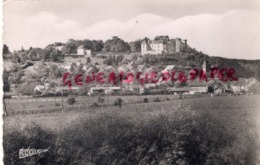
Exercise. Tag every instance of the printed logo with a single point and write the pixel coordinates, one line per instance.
(23, 153)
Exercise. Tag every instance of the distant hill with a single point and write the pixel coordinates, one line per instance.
(243, 68)
(191, 57)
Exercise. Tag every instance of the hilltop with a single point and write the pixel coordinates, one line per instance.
(36, 66)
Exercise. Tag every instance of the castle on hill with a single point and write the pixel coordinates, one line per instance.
(163, 44)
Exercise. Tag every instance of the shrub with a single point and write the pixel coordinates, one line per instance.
(118, 102)
(26, 88)
(94, 105)
(184, 136)
(71, 100)
(157, 99)
(146, 100)
(57, 104)
(31, 136)
(101, 100)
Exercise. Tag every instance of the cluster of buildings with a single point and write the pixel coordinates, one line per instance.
(160, 45)
(81, 51)
(213, 86)
(163, 45)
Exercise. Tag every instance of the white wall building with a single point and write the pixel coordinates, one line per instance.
(82, 51)
(153, 47)
(163, 45)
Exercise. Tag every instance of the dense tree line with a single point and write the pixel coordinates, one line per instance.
(135, 46)
(52, 53)
(71, 46)
(116, 45)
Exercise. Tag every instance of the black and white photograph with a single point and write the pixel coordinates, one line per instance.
(130, 82)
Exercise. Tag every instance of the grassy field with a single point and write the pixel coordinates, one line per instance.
(206, 130)
(47, 104)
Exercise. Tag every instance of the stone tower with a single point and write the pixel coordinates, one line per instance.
(178, 44)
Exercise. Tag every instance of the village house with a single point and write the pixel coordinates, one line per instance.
(216, 86)
(81, 51)
(197, 86)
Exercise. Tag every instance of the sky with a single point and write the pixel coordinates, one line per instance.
(216, 27)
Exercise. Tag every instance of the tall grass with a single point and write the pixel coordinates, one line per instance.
(171, 136)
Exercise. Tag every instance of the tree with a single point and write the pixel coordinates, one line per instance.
(34, 54)
(16, 77)
(135, 46)
(23, 56)
(5, 80)
(5, 50)
(71, 100)
(27, 88)
(55, 55)
(88, 60)
(116, 45)
(69, 48)
(109, 60)
(118, 102)
(16, 58)
(55, 72)
(97, 46)
(45, 53)
(73, 67)
(87, 44)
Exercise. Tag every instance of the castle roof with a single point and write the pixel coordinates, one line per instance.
(157, 41)
(153, 42)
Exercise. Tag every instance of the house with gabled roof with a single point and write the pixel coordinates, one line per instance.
(198, 86)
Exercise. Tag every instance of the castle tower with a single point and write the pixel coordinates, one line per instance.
(178, 44)
(185, 45)
(144, 47)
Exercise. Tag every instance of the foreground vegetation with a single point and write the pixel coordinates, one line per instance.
(148, 133)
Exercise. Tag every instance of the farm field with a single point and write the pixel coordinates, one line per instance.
(223, 106)
(216, 130)
(47, 104)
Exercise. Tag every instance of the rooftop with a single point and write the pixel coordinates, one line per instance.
(197, 82)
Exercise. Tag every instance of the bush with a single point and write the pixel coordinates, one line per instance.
(157, 99)
(101, 100)
(146, 100)
(118, 102)
(184, 136)
(94, 105)
(26, 89)
(31, 136)
(71, 100)
(57, 104)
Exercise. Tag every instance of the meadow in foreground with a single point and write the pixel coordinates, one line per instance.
(148, 133)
